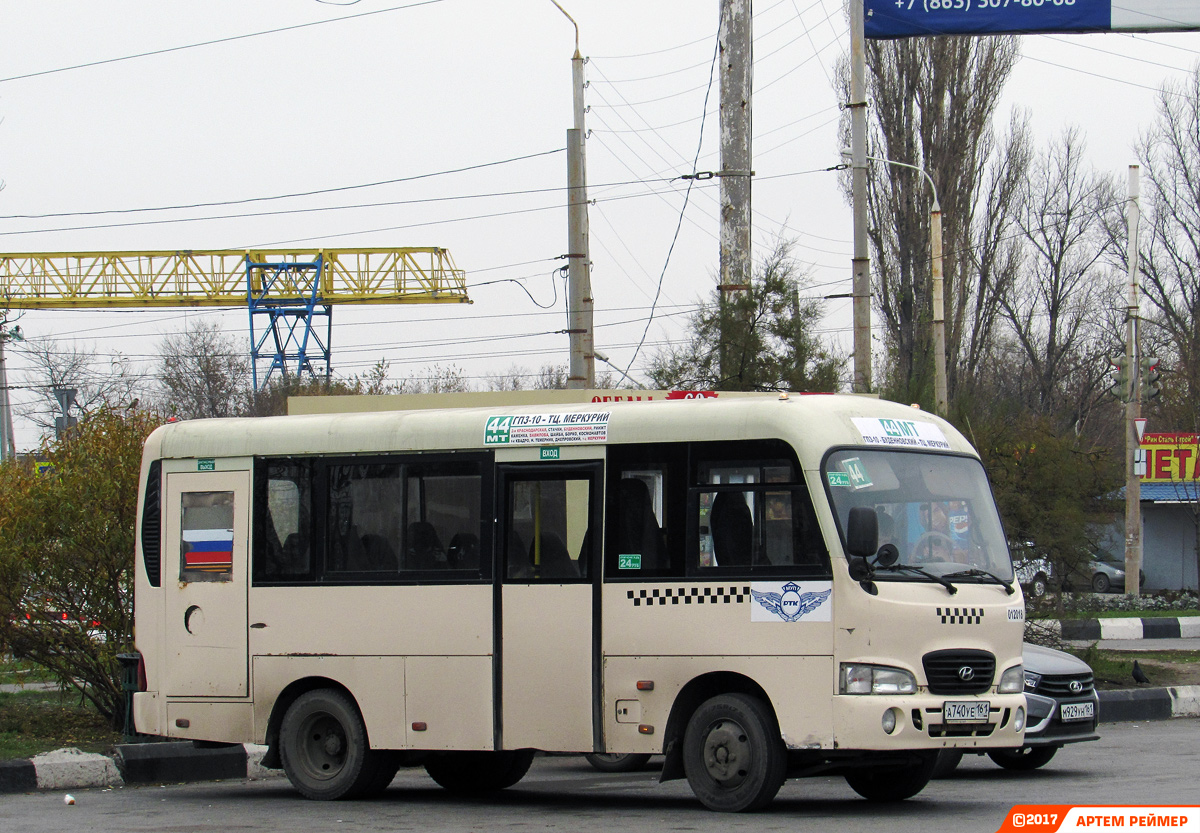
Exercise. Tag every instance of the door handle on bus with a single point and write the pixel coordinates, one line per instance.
(259, 625)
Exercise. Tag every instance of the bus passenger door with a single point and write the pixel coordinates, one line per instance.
(204, 583)
(548, 540)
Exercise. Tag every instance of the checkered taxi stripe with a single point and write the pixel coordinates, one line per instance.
(690, 595)
(960, 615)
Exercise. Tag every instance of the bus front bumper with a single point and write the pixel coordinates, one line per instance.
(926, 721)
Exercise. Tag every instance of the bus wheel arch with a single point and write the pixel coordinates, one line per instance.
(690, 698)
(325, 750)
(272, 759)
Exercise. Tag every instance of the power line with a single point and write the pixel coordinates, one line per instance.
(228, 39)
(218, 204)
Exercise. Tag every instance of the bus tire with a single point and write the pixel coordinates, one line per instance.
(1024, 759)
(323, 744)
(617, 761)
(892, 783)
(733, 754)
(478, 772)
(384, 765)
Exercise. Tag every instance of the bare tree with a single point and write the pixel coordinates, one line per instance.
(98, 382)
(1170, 253)
(1060, 307)
(202, 372)
(933, 104)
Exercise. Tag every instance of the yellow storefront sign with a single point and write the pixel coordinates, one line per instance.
(1171, 458)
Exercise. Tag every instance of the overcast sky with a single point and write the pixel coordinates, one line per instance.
(385, 89)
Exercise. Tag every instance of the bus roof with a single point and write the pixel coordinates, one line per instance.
(810, 423)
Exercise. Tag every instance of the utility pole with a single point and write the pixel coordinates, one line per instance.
(941, 397)
(736, 91)
(580, 304)
(860, 264)
(1133, 406)
(8, 447)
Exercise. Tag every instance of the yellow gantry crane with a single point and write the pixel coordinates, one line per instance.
(288, 287)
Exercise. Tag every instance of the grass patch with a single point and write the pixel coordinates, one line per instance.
(1120, 614)
(13, 672)
(32, 722)
(1114, 669)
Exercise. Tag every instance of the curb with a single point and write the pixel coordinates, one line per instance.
(1176, 627)
(135, 763)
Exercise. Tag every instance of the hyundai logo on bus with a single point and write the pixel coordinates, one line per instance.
(966, 673)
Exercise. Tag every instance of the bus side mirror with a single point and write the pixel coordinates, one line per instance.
(862, 532)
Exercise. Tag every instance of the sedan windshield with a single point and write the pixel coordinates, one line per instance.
(936, 509)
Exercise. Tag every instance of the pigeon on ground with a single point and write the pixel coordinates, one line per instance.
(1139, 676)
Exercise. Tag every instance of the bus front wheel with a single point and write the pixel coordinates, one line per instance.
(323, 743)
(892, 783)
(733, 754)
(476, 772)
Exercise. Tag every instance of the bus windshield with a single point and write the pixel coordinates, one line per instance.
(936, 509)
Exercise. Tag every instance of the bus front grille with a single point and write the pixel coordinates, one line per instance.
(959, 671)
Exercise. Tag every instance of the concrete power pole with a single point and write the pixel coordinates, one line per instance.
(580, 304)
(7, 442)
(1133, 407)
(860, 264)
(736, 91)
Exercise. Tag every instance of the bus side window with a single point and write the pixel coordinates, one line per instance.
(206, 536)
(363, 520)
(443, 517)
(283, 521)
(548, 522)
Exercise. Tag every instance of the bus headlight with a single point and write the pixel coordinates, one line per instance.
(1012, 681)
(857, 678)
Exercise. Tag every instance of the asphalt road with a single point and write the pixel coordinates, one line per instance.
(1133, 763)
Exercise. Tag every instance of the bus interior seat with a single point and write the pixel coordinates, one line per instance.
(732, 529)
(638, 531)
(517, 557)
(424, 548)
(295, 554)
(463, 553)
(555, 559)
(379, 553)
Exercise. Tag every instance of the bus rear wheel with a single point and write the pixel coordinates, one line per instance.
(733, 754)
(324, 747)
(892, 783)
(477, 772)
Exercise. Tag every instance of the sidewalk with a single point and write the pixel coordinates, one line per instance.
(135, 763)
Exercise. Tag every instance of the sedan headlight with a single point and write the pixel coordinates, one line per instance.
(857, 678)
(1012, 681)
(1032, 680)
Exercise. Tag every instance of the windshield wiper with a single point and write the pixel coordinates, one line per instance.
(939, 579)
(975, 572)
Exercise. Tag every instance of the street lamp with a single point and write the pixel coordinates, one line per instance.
(939, 311)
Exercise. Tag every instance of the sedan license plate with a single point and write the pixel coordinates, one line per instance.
(974, 711)
(1076, 711)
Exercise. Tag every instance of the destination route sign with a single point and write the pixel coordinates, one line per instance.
(883, 19)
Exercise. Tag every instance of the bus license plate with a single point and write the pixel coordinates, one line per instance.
(1076, 711)
(966, 712)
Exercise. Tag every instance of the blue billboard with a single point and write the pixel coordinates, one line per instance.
(912, 18)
